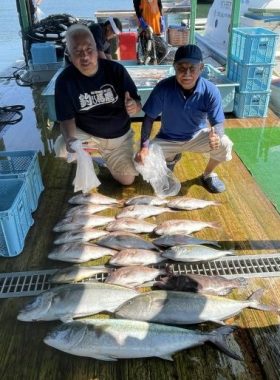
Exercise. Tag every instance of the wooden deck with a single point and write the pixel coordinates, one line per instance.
(249, 224)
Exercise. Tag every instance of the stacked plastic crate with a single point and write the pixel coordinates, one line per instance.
(251, 63)
(20, 188)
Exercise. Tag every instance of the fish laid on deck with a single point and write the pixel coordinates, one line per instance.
(86, 209)
(79, 252)
(79, 236)
(113, 339)
(181, 226)
(194, 253)
(129, 257)
(142, 211)
(131, 225)
(75, 300)
(171, 240)
(185, 203)
(122, 240)
(145, 200)
(73, 223)
(198, 283)
(184, 308)
(76, 273)
(134, 275)
(97, 199)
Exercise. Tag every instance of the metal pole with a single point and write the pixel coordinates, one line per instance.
(235, 19)
(192, 21)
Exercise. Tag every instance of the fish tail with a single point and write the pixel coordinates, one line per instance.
(218, 338)
(214, 224)
(256, 304)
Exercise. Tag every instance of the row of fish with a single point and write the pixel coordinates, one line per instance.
(71, 301)
(132, 333)
(124, 253)
(134, 311)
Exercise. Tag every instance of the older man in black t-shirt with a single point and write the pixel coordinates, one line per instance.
(94, 99)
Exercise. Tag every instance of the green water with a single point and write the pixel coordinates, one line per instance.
(259, 150)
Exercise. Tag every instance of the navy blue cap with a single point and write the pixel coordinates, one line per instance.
(188, 53)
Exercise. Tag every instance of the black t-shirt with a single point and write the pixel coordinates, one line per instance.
(97, 102)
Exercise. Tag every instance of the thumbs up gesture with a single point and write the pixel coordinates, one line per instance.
(131, 105)
(214, 139)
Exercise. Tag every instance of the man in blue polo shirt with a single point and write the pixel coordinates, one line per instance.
(188, 103)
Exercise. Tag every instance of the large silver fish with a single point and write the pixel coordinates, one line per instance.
(79, 252)
(132, 256)
(216, 285)
(141, 211)
(171, 240)
(184, 308)
(75, 300)
(182, 226)
(86, 209)
(131, 225)
(113, 339)
(76, 273)
(185, 203)
(145, 200)
(122, 240)
(73, 223)
(79, 236)
(193, 253)
(134, 275)
(97, 199)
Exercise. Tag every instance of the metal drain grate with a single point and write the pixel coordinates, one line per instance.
(249, 266)
(22, 284)
(268, 265)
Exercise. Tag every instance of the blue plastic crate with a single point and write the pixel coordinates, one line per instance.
(253, 45)
(43, 52)
(15, 216)
(25, 165)
(251, 77)
(251, 104)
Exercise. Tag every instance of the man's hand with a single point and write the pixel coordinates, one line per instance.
(214, 139)
(141, 155)
(131, 105)
(68, 144)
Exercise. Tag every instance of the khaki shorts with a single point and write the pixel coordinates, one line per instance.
(118, 153)
(200, 144)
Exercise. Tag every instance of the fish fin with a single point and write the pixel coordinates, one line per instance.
(166, 357)
(66, 318)
(256, 304)
(219, 322)
(215, 225)
(217, 337)
(242, 281)
(105, 358)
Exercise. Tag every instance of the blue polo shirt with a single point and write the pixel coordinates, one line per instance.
(182, 117)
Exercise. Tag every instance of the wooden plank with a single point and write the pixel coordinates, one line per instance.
(249, 224)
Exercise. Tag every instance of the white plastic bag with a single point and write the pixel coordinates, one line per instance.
(85, 178)
(155, 171)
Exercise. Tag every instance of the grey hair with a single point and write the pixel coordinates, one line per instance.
(78, 30)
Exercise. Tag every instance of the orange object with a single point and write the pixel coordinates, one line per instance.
(151, 14)
(127, 44)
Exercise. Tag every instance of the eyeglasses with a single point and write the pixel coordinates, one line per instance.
(83, 52)
(184, 70)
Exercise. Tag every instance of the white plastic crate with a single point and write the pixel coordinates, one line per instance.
(15, 216)
(25, 165)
